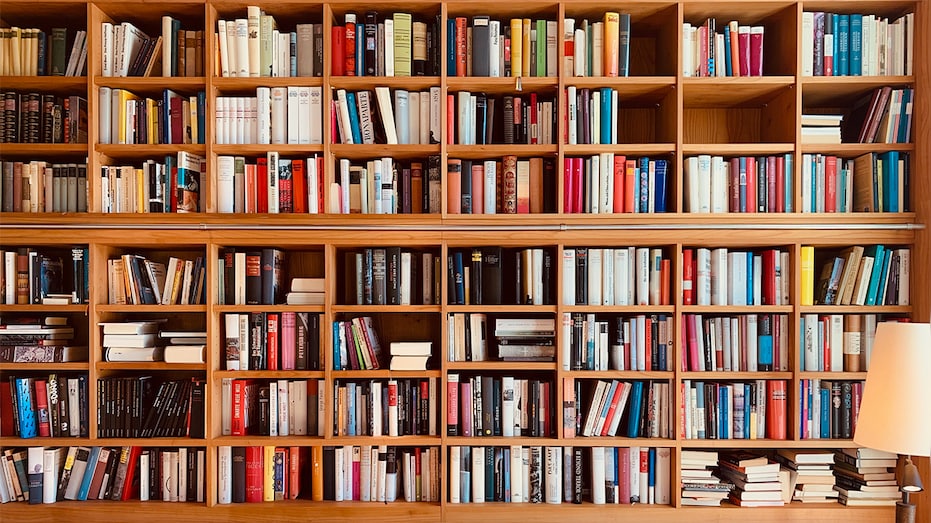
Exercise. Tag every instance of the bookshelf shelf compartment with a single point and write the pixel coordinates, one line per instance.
(152, 84)
(843, 91)
(737, 149)
(752, 91)
(398, 151)
(493, 151)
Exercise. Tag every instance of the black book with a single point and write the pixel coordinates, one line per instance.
(257, 336)
(549, 185)
(488, 406)
(761, 185)
(517, 274)
(490, 481)
(577, 475)
(371, 42)
(846, 410)
(710, 362)
(253, 278)
(106, 488)
(465, 185)
(491, 276)
(263, 411)
(239, 475)
(379, 277)
(393, 283)
(481, 119)
(481, 42)
(272, 270)
(83, 398)
(654, 343)
(197, 427)
(329, 471)
(318, 49)
(476, 285)
(581, 276)
(458, 278)
(301, 333)
(549, 278)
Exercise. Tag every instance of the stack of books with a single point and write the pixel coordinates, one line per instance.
(821, 128)
(38, 340)
(184, 346)
(131, 341)
(810, 476)
(526, 339)
(700, 487)
(410, 355)
(866, 477)
(756, 480)
(306, 291)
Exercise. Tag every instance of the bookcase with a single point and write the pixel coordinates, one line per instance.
(664, 114)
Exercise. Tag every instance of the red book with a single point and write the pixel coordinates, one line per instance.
(630, 178)
(6, 412)
(776, 409)
(460, 46)
(692, 325)
(176, 119)
(450, 119)
(567, 185)
(665, 270)
(743, 45)
(350, 46)
(272, 340)
(756, 50)
(237, 421)
(771, 190)
(42, 413)
(830, 183)
(623, 475)
(577, 184)
(703, 50)
(173, 190)
(688, 278)
(298, 187)
(612, 408)
(338, 64)
(294, 472)
(320, 184)
(751, 184)
(647, 344)
(534, 130)
(780, 184)
(356, 475)
(734, 181)
(619, 164)
(478, 187)
(826, 343)
(769, 277)
(261, 185)
(128, 490)
(255, 474)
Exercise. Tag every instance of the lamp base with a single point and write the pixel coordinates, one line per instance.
(904, 512)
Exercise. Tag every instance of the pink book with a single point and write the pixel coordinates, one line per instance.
(567, 186)
(693, 342)
(478, 187)
(771, 192)
(623, 475)
(620, 163)
(465, 402)
(756, 50)
(577, 184)
(743, 42)
(288, 347)
(734, 180)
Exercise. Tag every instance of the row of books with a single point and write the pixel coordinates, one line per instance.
(592, 115)
(391, 276)
(383, 474)
(828, 409)
(866, 476)
(255, 46)
(740, 184)
(734, 410)
(45, 406)
(597, 48)
(858, 275)
(855, 44)
(613, 183)
(393, 407)
(133, 279)
(506, 406)
(145, 407)
(272, 408)
(413, 119)
(472, 119)
(871, 182)
(810, 478)
(554, 475)
(727, 277)
(525, 339)
(356, 345)
(642, 342)
(126, 118)
(29, 51)
(387, 186)
(172, 184)
(248, 187)
(528, 272)
(521, 47)
(276, 115)
(43, 186)
(745, 343)
(43, 118)
(252, 276)
(385, 45)
(821, 128)
(735, 51)
(615, 276)
(837, 343)
(757, 481)
(112, 473)
(272, 341)
(884, 116)
(618, 408)
(508, 186)
(33, 277)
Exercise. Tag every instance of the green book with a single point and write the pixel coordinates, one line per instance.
(267, 27)
(402, 44)
(57, 61)
(541, 48)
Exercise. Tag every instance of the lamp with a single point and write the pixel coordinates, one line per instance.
(895, 412)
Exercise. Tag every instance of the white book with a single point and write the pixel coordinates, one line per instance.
(478, 474)
(389, 47)
(568, 281)
(284, 427)
(304, 119)
(104, 118)
(423, 137)
(253, 16)
(594, 276)
(272, 162)
(242, 47)
(106, 50)
(180, 462)
(598, 474)
(517, 477)
(642, 275)
(621, 262)
(607, 277)
(344, 184)
(225, 193)
(51, 464)
(489, 192)
(316, 115)
(144, 461)
(507, 405)
(222, 40)
(405, 287)
(383, 96)
(413, 118)
(808, 39)
(365, 473)
(272, 409)
(494, 48)
(597, 48)
(572, 115)
(553, 471)
(552, 57)
(525, 481)
(293, 115)
(579, 58)
(686, 50)
(718, 189)
(703, 276)
(279, 112)
(455, 467)
(719, 276)
(537, 258)
(436, 125)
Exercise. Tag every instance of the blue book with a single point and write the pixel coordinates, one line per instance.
(360, 50)
(293, 52)
(789, 175)
(659, 186)
(465, 475)
(742, 183)
(42, 40)
(842, 37)
(353, 117)
(402, 120)
(644, 184)
(606, 99)
(728, 67)
(802, 399)
(878, 253)
(636, 396)
(884, 277)
(814, 182)
(201, 117)
(607, 405)
(451, 47)
(890, 161)
(825, 413)
(724, 418)
(765, 357)
(748, 390)
(855, 43)
(88, 473)
(750, 282)
(351, 407)
(459, 278)
(700, 407)
(337, 365)
(902, 130)
(27, 414)
(835, 30)
(506, 466)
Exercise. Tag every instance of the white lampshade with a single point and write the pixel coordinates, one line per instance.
(895, 412)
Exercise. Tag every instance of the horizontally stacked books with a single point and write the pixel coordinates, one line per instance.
(38, 340)
(141, 341)
(410, 355)
(700, 486)
(821, 128)
(810, 476)
(866, 477)
(306, 291)
(757, 480)
(526, 339)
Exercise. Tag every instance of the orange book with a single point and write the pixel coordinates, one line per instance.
(478, 187)
(453, 186)
(450, 119)
(735, 48)
(298, 187)
(568, 411)
(619, 166)
(460, 46)
(416, 188)
(536, 185)
(294, 472)
(630, 178)
(316, 480)
(611, 46)
(776, 402)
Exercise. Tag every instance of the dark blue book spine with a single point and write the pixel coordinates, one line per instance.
(451, 50)
(459, 278)
(842, 37)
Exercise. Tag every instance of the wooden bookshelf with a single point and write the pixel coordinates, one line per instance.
(672, 117)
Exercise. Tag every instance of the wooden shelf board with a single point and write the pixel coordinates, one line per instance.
(319, 309)
(396, 441)
(224, 84)
(12, 441)
(623, 309)
(733, 375)
(44, 309)
(499, 441)
(850, 150)
(43, 149)
(149, 442)
(844, 91)
(254, 440)
(261, 149)
(384, 374)
(148, 150)
(502, 309)
(832, 375)
(165, 309)
(372, 309)
(59, 85)
(371, 152)
(623, 375)
(737, 149)
(44, 367)
(269, 374)
(737, 309)
(359, 83)
(150, 366)
(738, 443)
(496, 151)
(152, 84)
(466, 366)
(628, 149)
(856, 309)
(522, 86)
(745, 91)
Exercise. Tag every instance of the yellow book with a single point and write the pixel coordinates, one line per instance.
(525, 57)
(268, 488)
(517, 59)
(808, 276)
(316, 480)
(141, 186)
(192, 111)
(151, 121)
(611, 44)
(125, 131)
